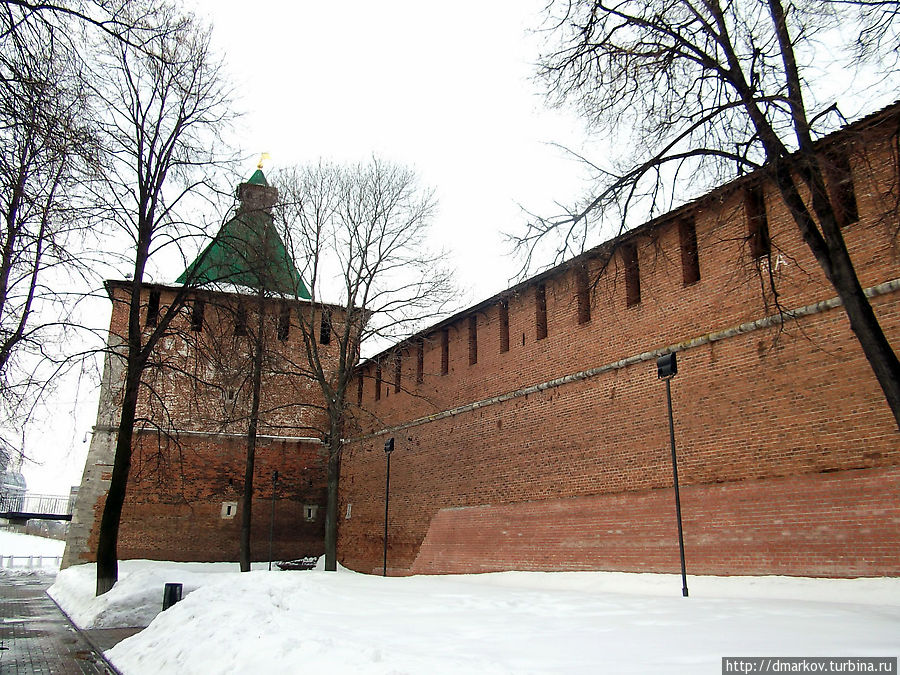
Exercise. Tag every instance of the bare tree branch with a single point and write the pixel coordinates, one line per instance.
(712, 89)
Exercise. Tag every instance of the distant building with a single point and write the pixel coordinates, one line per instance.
(12, 484)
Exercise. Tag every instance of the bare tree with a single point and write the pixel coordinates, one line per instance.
(48, 162)
(701, 87)
(359, 236)
(166, 108)
(119, 19)
(48, 153)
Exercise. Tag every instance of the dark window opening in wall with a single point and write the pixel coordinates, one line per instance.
(420, 361)
(284, 323)
(197, 311)
(445, 351)
(840, 185)
(757, 221)
(504, 325)
(632, 274)
(473, 340)
(398, 367)
(690, 261)
(359, 387)
(325, 327)
(583, 294)
(240, 320)
(540, 311)
(152, 308)
(378, 383)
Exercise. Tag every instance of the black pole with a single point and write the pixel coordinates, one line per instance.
(387, 496)
(272, 520)
(684, 587)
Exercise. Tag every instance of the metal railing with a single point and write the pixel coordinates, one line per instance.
(60, 505)
(30, 562)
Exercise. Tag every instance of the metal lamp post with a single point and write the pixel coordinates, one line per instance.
(272, 520)
(666, 369)
(388, 449)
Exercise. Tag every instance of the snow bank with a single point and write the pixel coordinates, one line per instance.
(511, 622)
(136, 598)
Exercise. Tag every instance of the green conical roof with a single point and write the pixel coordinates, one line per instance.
(248, 251)
(258, 178)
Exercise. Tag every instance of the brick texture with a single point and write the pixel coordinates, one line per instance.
(175, 513)
(190, 451)
(776, 426)
(850, 527)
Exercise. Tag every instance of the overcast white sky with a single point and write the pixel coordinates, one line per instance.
(443, 87)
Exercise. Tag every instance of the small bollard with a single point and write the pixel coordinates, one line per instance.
(171, 595)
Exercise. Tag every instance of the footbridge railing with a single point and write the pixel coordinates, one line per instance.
(29, 506)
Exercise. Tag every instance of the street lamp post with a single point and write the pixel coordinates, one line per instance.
(272, 519)
(666, 369)
(388, 449)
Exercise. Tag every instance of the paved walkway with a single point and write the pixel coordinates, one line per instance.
(36, 637)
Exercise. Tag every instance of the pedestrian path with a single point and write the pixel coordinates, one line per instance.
(36, 637)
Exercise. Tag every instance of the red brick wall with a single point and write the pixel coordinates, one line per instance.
(192, 374)
(796, 401)
(849, 525)
(173, 509)
(197, 390)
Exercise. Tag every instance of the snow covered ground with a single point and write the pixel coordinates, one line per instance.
(513, 622)
(20, 552)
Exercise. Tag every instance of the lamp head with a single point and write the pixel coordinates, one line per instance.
(666, 366)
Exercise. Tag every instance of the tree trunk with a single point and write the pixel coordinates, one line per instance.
(881, 356)
(135, 360)
(247, 497)
(331, 511)
(830, 250)
(108, 540)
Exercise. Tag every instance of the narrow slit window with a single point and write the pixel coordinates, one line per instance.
(583, 294)
(420, 361)
(240, 320)
(473, 340)
(540, 311)
(690, 261)
(632, 274)
(840, 185)
(757, 221)
(284, 323)
(504, 325)
(445, 351)
(359, 387)
(152, 309)
(398, 367)
(378, 382)
(197, 311)
(325, 327)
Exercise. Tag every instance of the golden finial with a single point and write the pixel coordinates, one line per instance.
(263, 157)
